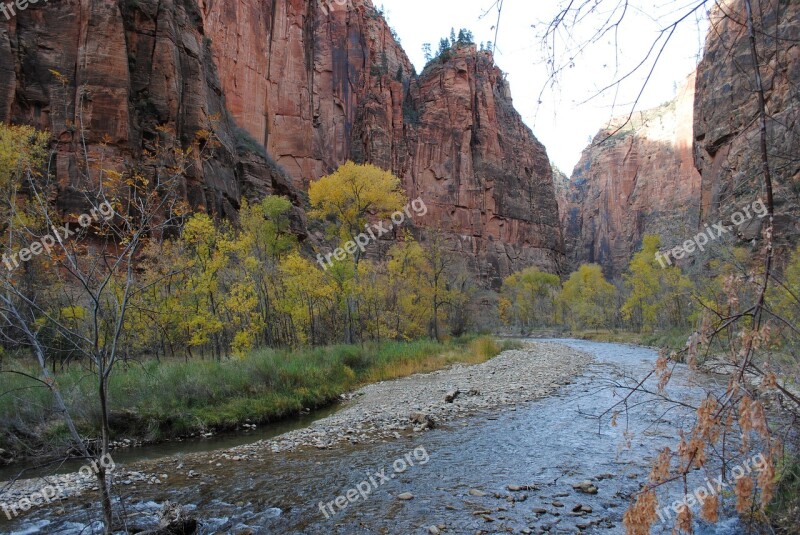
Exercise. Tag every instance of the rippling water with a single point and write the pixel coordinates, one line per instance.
(550, 444)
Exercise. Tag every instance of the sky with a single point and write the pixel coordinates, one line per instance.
(571, 112)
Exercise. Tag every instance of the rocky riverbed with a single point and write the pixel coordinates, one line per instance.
(505, 449)
(376, 412)
(387, 409)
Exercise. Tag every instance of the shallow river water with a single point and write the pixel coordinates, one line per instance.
(548, 445)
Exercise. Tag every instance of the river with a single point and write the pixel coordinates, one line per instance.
(460, 474)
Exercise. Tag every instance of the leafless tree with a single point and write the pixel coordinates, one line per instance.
(84, 269)
(742, 333)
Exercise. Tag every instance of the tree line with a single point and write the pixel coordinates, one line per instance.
(203, 287)
(649, 298)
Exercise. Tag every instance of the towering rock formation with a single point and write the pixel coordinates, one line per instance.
(315, 83)
(488, 180)
(726, 125)
(640, 180)
(309, 79)
(131, 75)
(323, 82)
(561, 183)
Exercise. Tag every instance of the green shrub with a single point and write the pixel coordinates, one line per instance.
(245, 143)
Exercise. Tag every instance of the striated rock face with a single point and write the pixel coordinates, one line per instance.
(726, 126)
(487, 180)
(639, 181)
(562, 186)
(315, 83)
(322, 82)
(642, 181)
(134, 75)
(310, 79)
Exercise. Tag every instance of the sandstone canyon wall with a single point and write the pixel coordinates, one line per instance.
(726, 125)
(132, 75)
(314, 83)
(640, 180)
(319, 83)
(488, 179)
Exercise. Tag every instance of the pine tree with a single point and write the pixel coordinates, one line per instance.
(426, 50)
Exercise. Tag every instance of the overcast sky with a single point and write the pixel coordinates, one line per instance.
(563, 122)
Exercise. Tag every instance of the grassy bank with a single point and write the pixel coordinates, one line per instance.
(160, 400)
(784, 511)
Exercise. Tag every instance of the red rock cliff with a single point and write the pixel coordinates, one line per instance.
(132, 74)
(319, 83)
(314, 82)
(487, 179)
(726, 114)
(642, 181)
(639, 181)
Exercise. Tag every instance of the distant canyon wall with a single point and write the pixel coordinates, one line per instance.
(697, 160)
(726, 126)
(639, 180)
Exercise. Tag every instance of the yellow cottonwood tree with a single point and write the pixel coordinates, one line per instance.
(588, 297)
(267, 239)
(23, 152)
(202, 301)
(784, 298)
(408, 302)
(346, 200)
(658, 297)
(352, 194)
(308, 295)
(528, 298)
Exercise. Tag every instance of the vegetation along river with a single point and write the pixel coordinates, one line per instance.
(511, 470)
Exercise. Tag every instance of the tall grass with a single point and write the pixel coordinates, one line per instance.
(153, 400)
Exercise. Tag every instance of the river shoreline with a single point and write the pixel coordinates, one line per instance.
(376, 412)
(414, 404)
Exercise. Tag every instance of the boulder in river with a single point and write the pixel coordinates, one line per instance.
(451, 396)
(587, 487)
(422, 420)
(172, 520)
(518, 488)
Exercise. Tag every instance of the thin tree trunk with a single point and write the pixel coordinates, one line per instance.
(105, 494)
